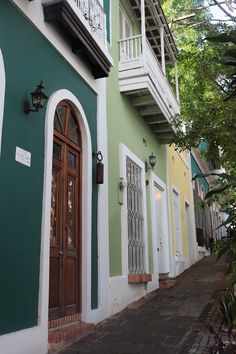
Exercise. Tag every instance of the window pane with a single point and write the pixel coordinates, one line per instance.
(61, 111)
(73, 130)
(70, 212)
(54, 207)
(57, 125)
(121, 24)
(60, 118)
(71, 159)
(56, 150)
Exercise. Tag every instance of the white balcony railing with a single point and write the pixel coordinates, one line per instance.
(94, 14)
(133, 55)
(130, 48)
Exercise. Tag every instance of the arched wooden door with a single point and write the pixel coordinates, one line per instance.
(65, 241)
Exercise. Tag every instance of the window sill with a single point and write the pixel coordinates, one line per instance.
(139, 278)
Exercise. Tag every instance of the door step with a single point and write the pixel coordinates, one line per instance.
(64, 320)
(167, 283)
(61, 336)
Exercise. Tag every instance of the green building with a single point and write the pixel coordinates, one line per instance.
(140, 103)
(53, 213)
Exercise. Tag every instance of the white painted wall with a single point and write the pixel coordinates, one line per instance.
(103, 310)
(121, 292)
(156, 181)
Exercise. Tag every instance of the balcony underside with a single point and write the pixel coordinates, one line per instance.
(152, 106)
(82, 42)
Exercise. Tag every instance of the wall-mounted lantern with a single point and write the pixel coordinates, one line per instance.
(38, 99)
(151, 162)
(99, 167)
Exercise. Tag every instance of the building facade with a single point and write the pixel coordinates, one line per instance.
(140, 103)
(53, 214)
(208, 218)
(96, 208)
(182, 223)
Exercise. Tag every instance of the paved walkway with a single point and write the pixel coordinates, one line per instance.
(167, 322)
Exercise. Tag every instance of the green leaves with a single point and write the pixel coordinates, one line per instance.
(226, 37)
(227, 309)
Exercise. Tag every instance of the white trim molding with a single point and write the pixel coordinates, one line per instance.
(121, 292)
(125, 152)
(157, 182)
(2, 94)
(103, 310)
(55, 98)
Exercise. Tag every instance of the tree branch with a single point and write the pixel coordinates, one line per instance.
(223, 10)
(204, 7)
(207, 21)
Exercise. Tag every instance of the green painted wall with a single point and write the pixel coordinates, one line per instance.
(127, 127)
(28, 59)
(106, 5)
(201, 182)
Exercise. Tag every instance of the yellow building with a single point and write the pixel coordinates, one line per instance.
(181, 212)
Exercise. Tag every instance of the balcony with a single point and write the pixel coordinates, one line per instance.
(142, 65)
(83, 23)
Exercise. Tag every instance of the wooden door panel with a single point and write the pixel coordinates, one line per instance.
(70, 282)
(54, 285)
(64, 294)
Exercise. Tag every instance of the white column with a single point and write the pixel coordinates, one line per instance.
(143, 29)
(176, 81)
(163, 61)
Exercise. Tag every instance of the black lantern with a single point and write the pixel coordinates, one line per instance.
(99, 167)
(151, 162)
(38, 98)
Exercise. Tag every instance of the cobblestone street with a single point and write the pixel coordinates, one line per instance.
(167, 321)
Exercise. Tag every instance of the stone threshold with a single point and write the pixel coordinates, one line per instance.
(70, 331)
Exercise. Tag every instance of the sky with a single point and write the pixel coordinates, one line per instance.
(217, 13)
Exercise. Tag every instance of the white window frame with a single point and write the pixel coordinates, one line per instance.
(124, 19)
(2, 94)
(124, 153)
(180, 240)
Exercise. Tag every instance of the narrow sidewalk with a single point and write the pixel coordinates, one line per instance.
(167, 322)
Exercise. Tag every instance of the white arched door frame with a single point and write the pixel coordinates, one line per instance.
(55, 99)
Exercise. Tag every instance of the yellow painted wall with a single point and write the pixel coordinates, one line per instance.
(179, 177)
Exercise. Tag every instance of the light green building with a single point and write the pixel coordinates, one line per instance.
(140, 103)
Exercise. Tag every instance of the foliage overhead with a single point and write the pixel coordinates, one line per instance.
(205, 84)
(207, 78)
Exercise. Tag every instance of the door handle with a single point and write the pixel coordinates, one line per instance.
(61, 253)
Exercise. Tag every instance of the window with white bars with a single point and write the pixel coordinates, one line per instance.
(136, 244)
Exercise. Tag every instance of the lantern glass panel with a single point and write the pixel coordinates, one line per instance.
(152, 160)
